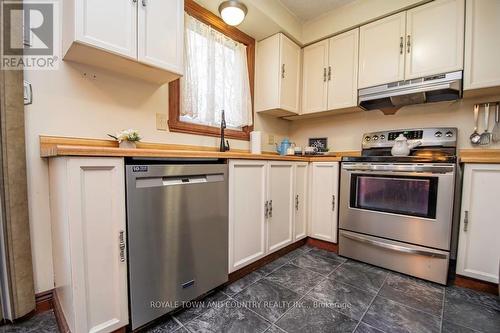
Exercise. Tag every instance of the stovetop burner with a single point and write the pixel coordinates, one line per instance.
(438, 145)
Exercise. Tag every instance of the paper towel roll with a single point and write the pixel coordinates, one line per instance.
(255, 142)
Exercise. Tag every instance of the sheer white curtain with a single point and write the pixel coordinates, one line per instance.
(215, 78)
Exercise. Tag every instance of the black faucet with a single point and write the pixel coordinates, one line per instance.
(224, 146)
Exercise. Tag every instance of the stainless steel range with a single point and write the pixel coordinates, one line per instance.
(397, 212)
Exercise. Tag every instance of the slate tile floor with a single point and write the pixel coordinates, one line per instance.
(311, 290)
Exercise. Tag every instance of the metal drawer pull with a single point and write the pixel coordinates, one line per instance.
(144, 4)
(324, 74)
(466, 220)
(333, 202)
(270, 208)
(394, 247)
(401, 45)
(283, 71)
(266, 209)
(297, 202)
(408, 43)
(121, 245)
(329, 73)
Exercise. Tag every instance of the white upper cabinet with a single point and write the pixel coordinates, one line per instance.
(324, 201)
(109, 25)
(314, 78)
(300, 199)
(381, 51)
(435, 38)
(280, 195)
(343, 70)
(482, 44)
(160, 39)
(277, 76)
(290, 74)
(138, 38)
(330, 73)
(478, 246)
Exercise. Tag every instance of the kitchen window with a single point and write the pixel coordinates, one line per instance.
(218, 67)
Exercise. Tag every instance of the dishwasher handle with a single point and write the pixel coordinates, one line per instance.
(178, 180)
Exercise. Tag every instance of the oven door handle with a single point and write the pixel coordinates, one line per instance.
(394, 247)
(400, 168)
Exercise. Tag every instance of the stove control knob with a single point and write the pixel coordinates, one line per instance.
(382, 137)
(449, 134)
(367, 139)
(438, 134)
(375, 137)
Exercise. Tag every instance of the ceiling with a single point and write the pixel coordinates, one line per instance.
(306, 10)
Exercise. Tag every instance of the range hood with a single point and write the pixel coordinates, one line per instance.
(392, 96)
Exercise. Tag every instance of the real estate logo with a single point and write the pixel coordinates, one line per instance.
(30, 35)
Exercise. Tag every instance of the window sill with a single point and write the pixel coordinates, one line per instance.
(190, 128)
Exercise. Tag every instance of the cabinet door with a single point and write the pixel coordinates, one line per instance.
(435, 38)
(478, 247)
(300, 197)
(110, 25)
(267, 74)
(381, 57)
(314, 78)
(280, 196)
(290, 74)
(482, 26)
(324, 201)
(96, 214)
(161, 34)
(247, 196)
(343, 70)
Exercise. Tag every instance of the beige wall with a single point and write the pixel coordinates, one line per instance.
(67, 103)
(344, 132)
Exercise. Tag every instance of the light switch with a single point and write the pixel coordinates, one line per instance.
(161, 121)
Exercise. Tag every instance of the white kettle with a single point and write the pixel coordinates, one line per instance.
(402, 147)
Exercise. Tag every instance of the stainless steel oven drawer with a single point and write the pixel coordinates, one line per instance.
(422, 262)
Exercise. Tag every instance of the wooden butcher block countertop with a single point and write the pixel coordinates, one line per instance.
(479, 155)
(51, 146)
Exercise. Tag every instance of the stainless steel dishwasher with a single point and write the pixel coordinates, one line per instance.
(177, 227)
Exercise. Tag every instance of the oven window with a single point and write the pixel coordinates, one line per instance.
(414, 196)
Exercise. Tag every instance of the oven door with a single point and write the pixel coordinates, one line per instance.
(411, 203)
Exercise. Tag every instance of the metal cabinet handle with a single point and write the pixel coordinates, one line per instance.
(329, 73)
(466, 220)
(144, 3)
(134, 1)
(297, 202)
(394, 247)
(401, 45)
(324, 74)
(121, 245)
(266, 209)
(270, 208)
(283, 71)
(333, 202)
(408, 44)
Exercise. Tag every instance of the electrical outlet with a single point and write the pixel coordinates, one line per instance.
(270, 139)
(161, 121)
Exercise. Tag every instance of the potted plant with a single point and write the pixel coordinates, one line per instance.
(127, 138)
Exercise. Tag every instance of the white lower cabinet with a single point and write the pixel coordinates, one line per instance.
(87, 199)
(478, 246)
(300, 197)
(280, 205)
(264, 215)
(324, 200)
(247, 221)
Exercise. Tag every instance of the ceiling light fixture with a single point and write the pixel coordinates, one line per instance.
(233, 12)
